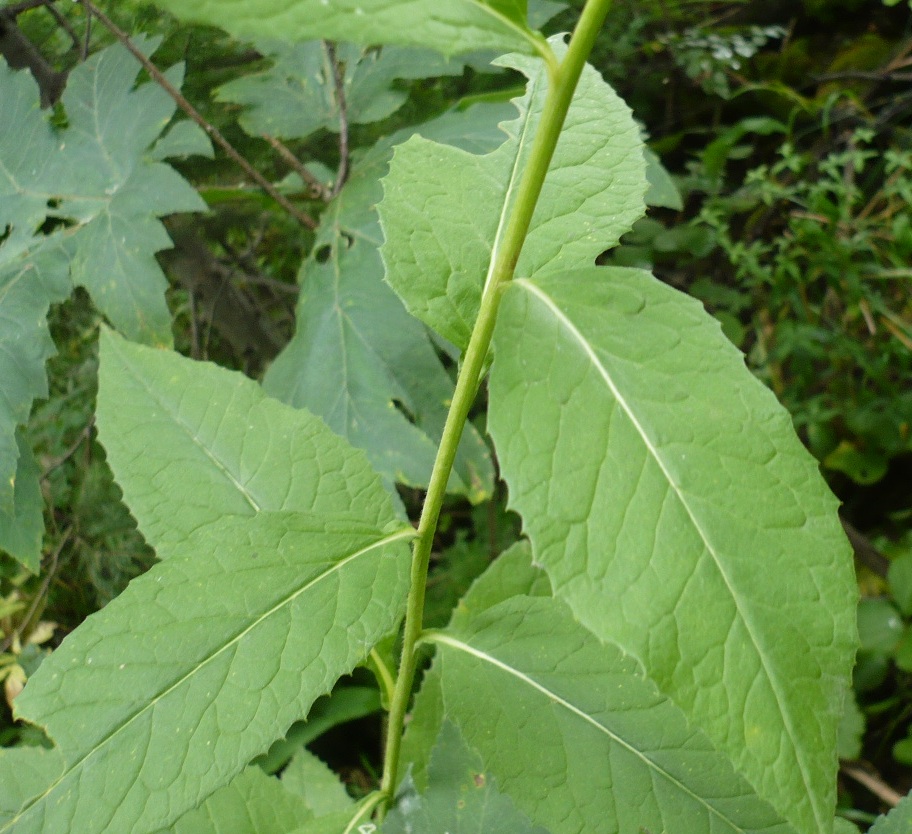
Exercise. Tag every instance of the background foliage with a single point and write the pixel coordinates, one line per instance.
(781, 202)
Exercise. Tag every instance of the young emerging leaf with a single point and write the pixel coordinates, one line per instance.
(444, 210)
(168, 692)
(222, 447)
(674, 509)
(450, 27)
(577, 736)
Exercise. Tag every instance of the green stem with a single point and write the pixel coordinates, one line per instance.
(560, 93)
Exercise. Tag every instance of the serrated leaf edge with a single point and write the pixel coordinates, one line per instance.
(400, 535)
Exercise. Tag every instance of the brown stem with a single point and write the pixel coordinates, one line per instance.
(156, 74)
(873, 783)
(339, 84)
(297, 166)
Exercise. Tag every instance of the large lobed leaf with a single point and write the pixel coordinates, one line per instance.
(297, 96)
(453, 27)
(358, 359)
(166, 694)
(445, 210)
(98, 176)
(674, 509)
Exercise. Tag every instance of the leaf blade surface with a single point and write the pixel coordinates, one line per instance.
(451, 28)
(220, 447)
(577, 736)
(241, 629)
(672, 506)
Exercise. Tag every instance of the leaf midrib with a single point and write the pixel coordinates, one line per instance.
(750, 627)
(553, 697)
(403, 534)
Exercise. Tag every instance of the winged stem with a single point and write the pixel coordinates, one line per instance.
(562, 84)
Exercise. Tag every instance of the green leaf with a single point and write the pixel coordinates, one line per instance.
(444, 210)
(668, 498)
(511, 574)
(21, 532)
(166, 694)
(451, 28)
(460, 797)
(222, 447)
(24, 771)
(308, 777)
(358, 360)
(576, 735)
(253, 803)
(843, 826)
(898, 821)
(297, 95)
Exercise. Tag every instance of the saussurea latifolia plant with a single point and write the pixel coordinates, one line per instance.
(666, 650)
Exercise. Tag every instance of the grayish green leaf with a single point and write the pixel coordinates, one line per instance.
(30, 281)
(358, 360)
(183, 138)
(452, 28)
(21, 531)
(460, 798)
(94, 175)
(110, 127)
(297, 96)
(576, 735)
(166, 694)
(668, 498)
(444, 210)
(252, 803)
(190, 442)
